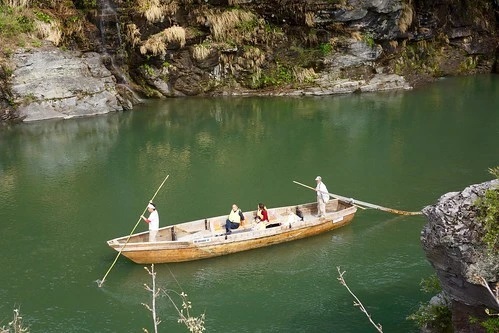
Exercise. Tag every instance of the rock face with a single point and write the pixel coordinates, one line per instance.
(366, 45)
(175, 48)
(452, 243)
(50, 83)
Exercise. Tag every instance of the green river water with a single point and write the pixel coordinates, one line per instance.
(66, 187)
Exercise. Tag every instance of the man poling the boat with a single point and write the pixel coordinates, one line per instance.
(362, 204)
(122, 246)
(322, 197)
(152, 220)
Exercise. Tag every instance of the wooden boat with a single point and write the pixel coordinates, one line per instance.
(206, 238)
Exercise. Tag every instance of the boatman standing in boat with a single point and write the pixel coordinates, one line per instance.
(322, 197)
(152, 220)
(234, 219)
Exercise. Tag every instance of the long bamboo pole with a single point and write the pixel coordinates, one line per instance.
(101, 282)
(367, 204)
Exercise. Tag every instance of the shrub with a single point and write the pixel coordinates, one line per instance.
(488, 215)
(491, 325)
(436, 315)
(326, 48)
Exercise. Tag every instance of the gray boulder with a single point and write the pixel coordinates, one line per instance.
(52, 83)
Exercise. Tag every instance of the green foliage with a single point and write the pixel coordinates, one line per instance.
(14, 22)
(148, 69)
(326, 48)
(368, 38)
(296, 55)
(438, 317)
(73, 19)
(25, 23)
(491, 325)
(41, 16)
(278, 76)
(247, 26)
(423, 57)
(469, 64)
(435, 316)
(431, 285)
(488, 215)
(269, 29)
(86, 4)
(7, 71)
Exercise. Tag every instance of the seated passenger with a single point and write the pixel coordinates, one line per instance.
(234, 219)
(261, 214)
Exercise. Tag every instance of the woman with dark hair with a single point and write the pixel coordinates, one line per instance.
(261, 213)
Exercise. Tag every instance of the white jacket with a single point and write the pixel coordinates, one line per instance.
(323, 194)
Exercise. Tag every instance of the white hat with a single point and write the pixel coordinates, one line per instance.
(318, 178)
(150, 205)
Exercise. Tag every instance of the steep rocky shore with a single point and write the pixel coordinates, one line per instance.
(62, 84)
(452, 241)
(175, 48)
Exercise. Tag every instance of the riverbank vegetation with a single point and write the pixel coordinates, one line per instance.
(198, 48)
(26, 24)
(488, 215)
(435, 314)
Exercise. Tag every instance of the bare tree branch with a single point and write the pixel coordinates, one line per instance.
(493, 292)
(357, 302)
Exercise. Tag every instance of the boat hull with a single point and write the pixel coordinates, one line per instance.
(206, 238)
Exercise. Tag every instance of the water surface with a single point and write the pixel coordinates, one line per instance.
(68, 186)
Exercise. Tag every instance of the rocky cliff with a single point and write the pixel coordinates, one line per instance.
(58, 84)
(172, 48)
(452, 241)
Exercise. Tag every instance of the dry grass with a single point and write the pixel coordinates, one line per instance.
(255, 78)
(154, 45)
(334, 41)
(310, 19)
(223, 23)
(200, 51)
(394, 43)
(157, 44)
(17, 3)
(405, 19)
(171, 7)
(132, 34)
(356, 35)
(49, 31)
(252, 58)
(312, 39)
(154, 11)
(175, 34)
(304, 74)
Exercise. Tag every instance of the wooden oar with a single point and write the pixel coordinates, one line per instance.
(367, 204)
(101, 282)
